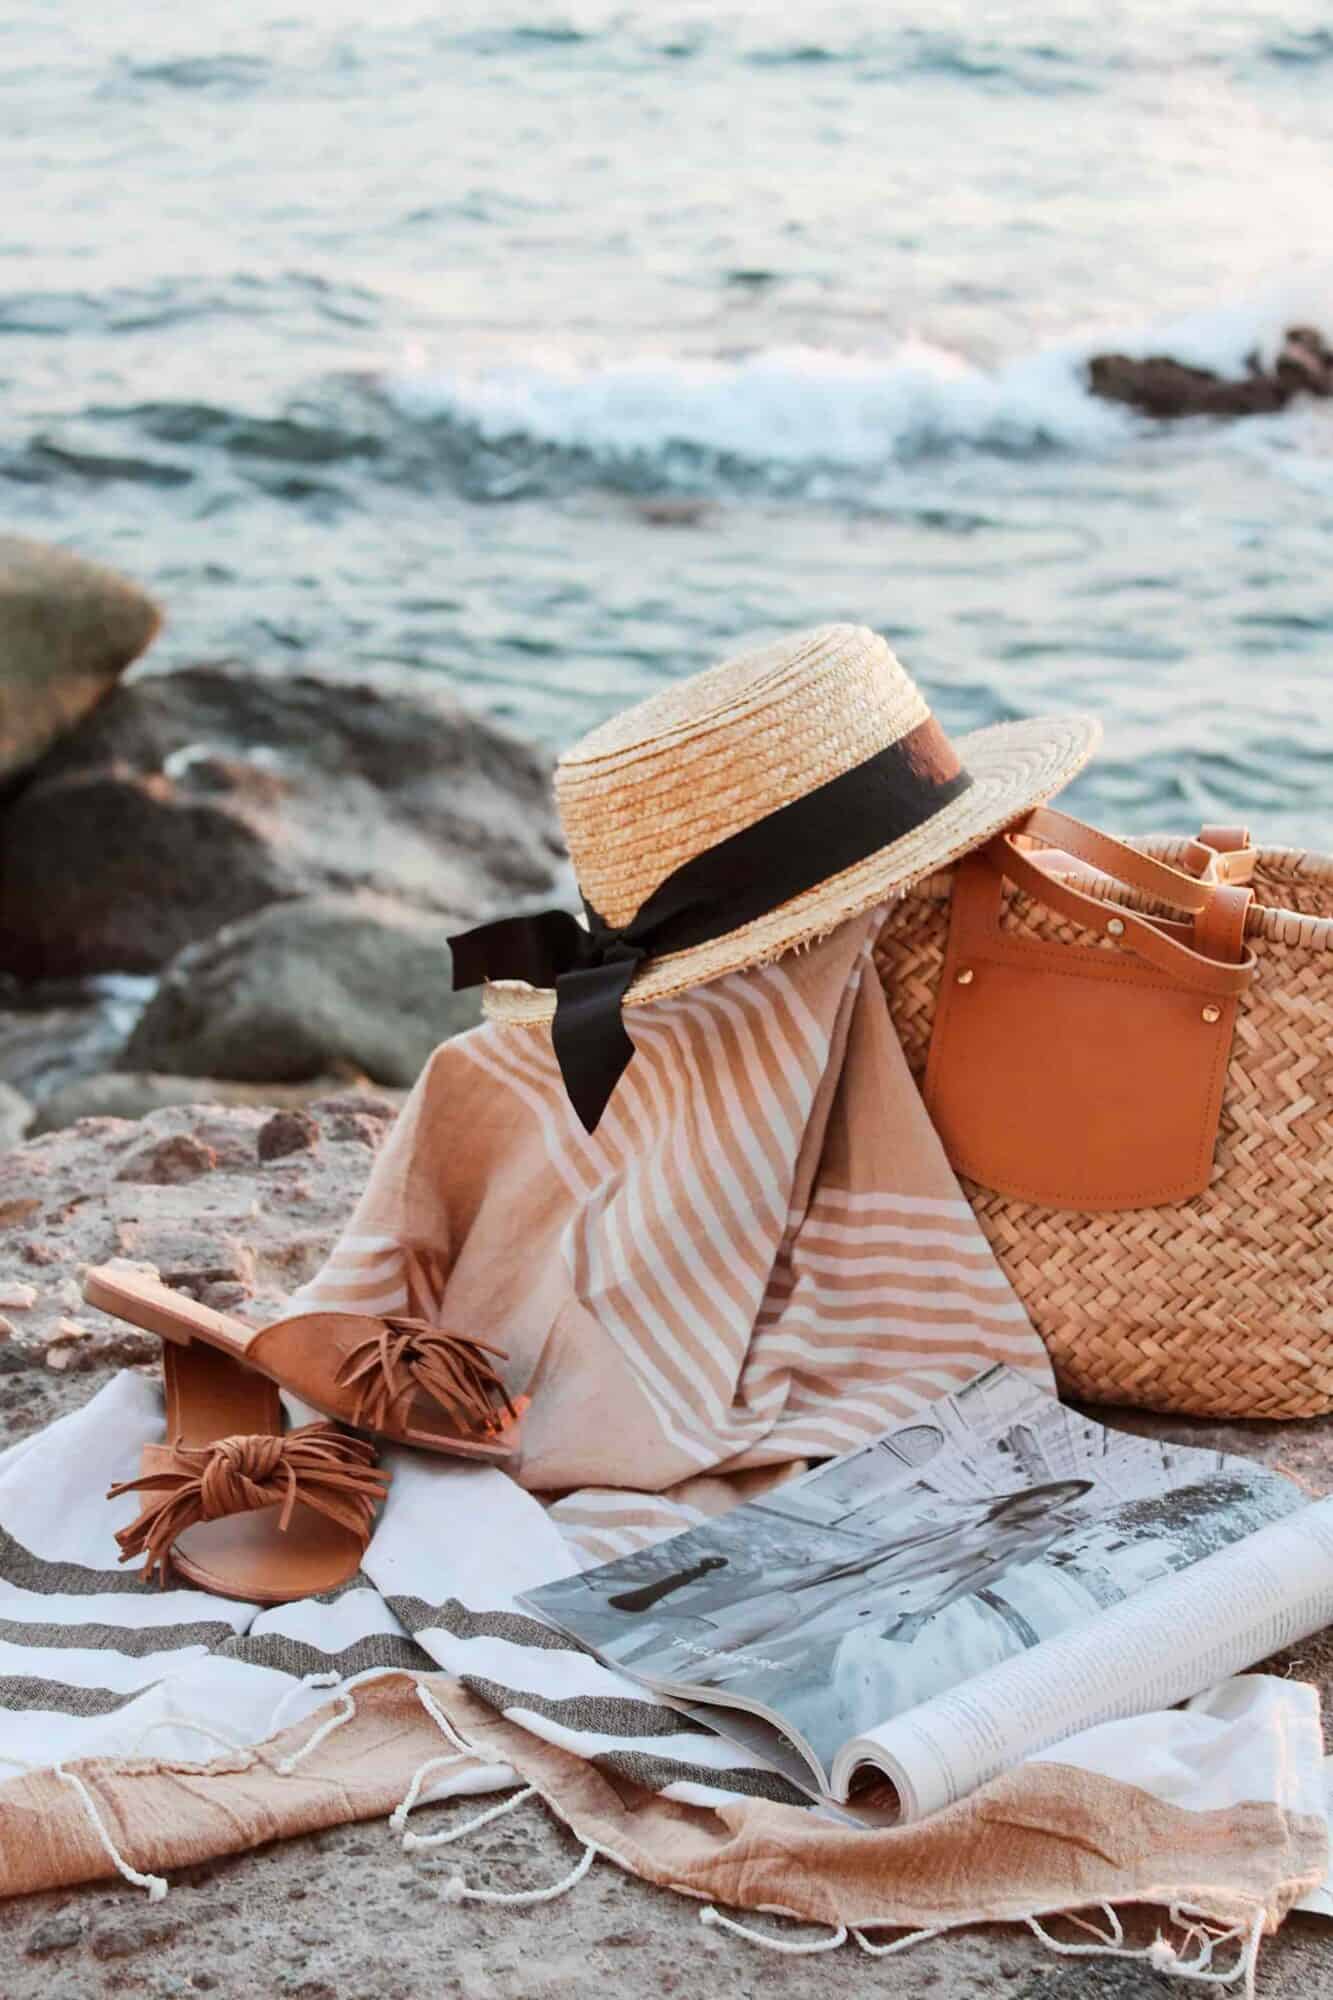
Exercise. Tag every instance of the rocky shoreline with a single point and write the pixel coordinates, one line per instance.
(230, 885)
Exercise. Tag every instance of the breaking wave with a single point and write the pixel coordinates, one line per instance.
(795, 418)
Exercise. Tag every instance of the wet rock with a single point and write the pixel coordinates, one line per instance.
(56, 1030)
(15, 1116)
(303, 989)
(68, 628)
(1305, 362)
(190, 800)
(1163, 387)
(133, 1094)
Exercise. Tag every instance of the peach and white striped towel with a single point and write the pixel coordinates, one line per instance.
(761, 1255)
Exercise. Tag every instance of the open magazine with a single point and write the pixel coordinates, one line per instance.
(899, 1625)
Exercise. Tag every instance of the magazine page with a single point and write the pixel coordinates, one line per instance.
(995, 1520)
(1161, 1646)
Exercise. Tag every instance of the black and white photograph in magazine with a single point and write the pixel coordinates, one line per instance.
(846, 1596)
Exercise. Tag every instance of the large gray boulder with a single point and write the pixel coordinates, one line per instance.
(189, 800)
(304, 989)
(68, 628)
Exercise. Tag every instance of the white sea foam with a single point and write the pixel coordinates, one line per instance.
(811, 407)
(787, 406)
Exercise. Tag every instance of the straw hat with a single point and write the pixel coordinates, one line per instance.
(671, 778)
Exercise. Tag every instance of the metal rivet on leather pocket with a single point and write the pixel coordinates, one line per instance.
(1211, 1013)
(966, 976)
(1116, 927)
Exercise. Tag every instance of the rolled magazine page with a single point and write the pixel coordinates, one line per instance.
(1171, 1640)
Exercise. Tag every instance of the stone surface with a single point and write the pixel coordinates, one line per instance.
(198, 1192)
(302, 989)
(345, 1913)
(187, 801)
(15, 1116)
(1163, 387)
(132, 1094)
(68, 628)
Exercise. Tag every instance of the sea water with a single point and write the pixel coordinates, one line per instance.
(558, 351)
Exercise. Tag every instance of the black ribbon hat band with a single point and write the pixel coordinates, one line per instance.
(747, 875)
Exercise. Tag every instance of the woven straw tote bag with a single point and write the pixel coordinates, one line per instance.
(1216, 1301)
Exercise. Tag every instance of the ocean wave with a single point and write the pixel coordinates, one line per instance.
(803, 418)
(1038, 67)
(222, 74)
(793, 413)
(1301, 48)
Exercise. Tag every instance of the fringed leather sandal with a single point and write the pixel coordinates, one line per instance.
(234, 1506)
(400, 1378)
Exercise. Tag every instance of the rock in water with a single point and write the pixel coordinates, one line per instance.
(187, 801)
(1164, 387)
(68, 628)
(302, 989)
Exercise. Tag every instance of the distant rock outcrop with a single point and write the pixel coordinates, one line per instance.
(190, 800)
(68, 629)
(1163, 387)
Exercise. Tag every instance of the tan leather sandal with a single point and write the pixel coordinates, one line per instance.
(234, 1506)
(400, 1378)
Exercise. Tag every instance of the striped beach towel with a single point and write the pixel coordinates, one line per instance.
(760, 1257)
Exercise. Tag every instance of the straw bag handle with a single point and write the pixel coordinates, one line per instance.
(1217, 962)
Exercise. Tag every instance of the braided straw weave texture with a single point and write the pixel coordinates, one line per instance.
(681, 772)
(1218, 1306)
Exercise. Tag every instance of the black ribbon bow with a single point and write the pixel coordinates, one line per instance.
(752, 872)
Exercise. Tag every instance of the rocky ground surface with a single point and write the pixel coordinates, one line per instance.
(237, 1205)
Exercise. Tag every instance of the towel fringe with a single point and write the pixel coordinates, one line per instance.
(712, 1918)
(1165, 1957)
(156, 1885)
(1161, 1954)
(412, 1841)
(398, 1817)
(457, 1889)
(898, 1944)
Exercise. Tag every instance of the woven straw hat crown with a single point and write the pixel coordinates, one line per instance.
(685, 769)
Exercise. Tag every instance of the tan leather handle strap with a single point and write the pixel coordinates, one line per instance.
(1124, 927)
(1114, 857)
(1226, 854)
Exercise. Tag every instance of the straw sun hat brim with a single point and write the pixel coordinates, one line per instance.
(1013, 765)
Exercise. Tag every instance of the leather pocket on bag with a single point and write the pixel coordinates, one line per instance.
(1070, 1076)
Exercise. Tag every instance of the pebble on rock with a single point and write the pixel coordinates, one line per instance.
(54, 1934)
(287, 1132)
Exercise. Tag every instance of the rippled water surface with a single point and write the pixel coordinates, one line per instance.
(558, 351)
